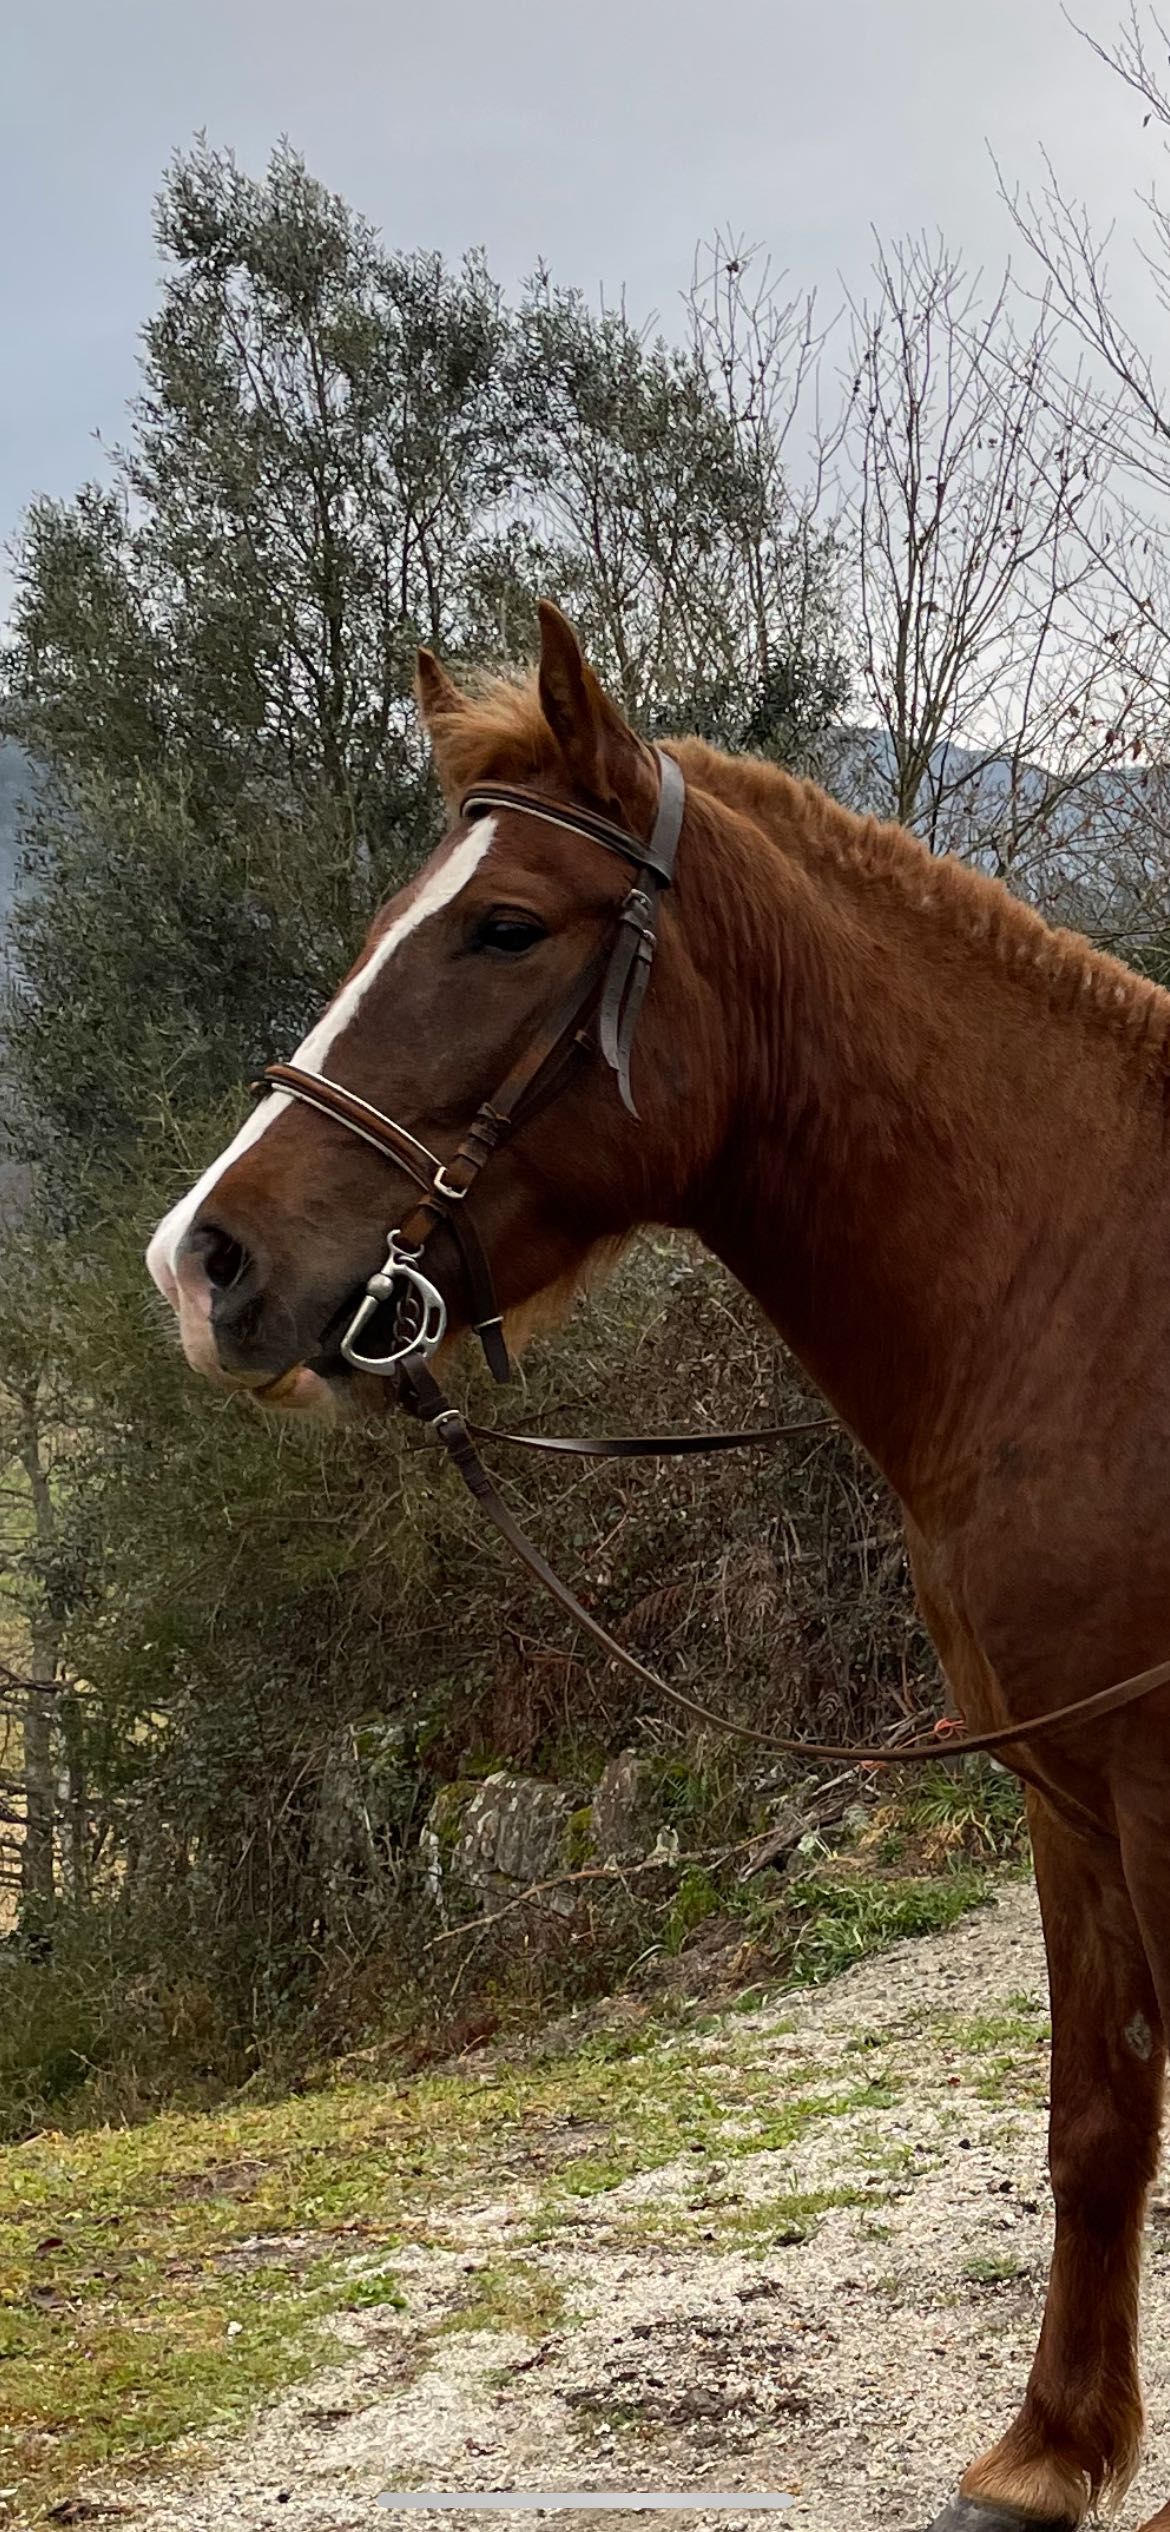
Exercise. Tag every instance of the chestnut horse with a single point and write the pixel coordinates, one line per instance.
(930, 1135)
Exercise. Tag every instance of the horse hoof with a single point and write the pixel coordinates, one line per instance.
(969, 2514)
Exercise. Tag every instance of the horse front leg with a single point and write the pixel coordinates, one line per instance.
(1079, 2429)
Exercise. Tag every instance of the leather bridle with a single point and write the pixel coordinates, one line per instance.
(599, 1013)
(609, 991)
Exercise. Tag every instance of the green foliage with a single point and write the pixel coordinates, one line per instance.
(942, 1814)
(991, 2270)
(291, 1637)
(696, 1898)
(214, 658)
(338, 450)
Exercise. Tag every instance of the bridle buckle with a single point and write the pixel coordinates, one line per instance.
(420, 1319)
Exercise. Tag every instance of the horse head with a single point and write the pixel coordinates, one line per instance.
(476, 961)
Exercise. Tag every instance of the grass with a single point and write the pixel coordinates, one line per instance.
(946, 1813)
(156, 2281)
(1004, 2055)
(846, 1916)
(988, 2271)
(511, 2295)
(160, 2279)
(767, 2224)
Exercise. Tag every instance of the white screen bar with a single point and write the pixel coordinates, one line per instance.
(556, 2500)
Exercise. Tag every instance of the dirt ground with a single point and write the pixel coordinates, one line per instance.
(845, 2317)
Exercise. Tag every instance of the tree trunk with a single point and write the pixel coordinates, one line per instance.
(38, 1880)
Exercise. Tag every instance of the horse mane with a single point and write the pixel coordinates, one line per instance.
(501, 733)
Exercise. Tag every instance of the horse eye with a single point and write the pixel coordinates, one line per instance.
(510, 933)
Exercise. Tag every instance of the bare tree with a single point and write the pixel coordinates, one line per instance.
(777, 619)
(997, 680)
(30, 1526)
(1129, 412)
(1073, 257)
(659, 503)
(42, 1768)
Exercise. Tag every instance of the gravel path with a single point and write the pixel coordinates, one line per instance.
(847, 2316)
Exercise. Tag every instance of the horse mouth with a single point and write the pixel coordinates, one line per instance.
(319, 1383)
(325, 1381)
(304, 1389)
(281, 1392)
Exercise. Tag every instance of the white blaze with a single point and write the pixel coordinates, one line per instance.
(444, 883)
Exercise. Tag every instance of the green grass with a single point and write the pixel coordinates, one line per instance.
(511, 2295)
(159, 2280)
(843, 1918)
(162, 2278)
(769, 2224)
(1004, 2054)
(975, 1811)
(993, 2271)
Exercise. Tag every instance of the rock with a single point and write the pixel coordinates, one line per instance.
(367, 1791)
(501, 1834)
(627, 1809)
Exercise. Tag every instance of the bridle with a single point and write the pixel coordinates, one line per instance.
(598, 1014)
(609, 989)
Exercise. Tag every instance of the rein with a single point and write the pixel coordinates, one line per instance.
(425, 1400)
(599, 1013)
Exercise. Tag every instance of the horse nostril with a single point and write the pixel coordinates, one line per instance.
(225, 1262)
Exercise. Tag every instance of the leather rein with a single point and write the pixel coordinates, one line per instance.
(598, 1014)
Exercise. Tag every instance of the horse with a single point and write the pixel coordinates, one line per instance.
(928, 1132)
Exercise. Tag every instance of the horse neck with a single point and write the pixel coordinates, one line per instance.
(927, 1109)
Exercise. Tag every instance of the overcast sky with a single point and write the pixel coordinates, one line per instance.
(607, 137)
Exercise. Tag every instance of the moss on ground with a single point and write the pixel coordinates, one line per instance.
(994, 2270)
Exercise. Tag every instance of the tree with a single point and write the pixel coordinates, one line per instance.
(784, 677)
(993, 651)
(1133, 421)
(337, 450)
(38, 1559)
(662, 514)
(320, 430)
(214, 657)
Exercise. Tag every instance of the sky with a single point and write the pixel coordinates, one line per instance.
(607, 138)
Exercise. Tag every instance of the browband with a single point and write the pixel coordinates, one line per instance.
(657, 856)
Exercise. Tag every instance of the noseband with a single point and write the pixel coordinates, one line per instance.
(609, 991)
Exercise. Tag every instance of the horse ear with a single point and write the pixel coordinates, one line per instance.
(444, 707)
(600, 750)
(439, 697)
